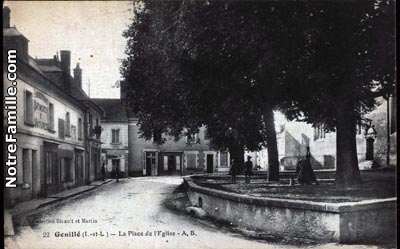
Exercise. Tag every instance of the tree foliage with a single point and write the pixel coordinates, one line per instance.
(227, 65)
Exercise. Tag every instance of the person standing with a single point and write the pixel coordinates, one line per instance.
(103, 172)
(304, 171)
(249, 169)
(117, 172)
(234, 170)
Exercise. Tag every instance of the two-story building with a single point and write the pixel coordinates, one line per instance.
(114, 136)
(123, 146)
(58, 70)
(53, 125)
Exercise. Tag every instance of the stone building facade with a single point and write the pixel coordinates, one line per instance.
(147, 158)
(54, 132)
(123, 146)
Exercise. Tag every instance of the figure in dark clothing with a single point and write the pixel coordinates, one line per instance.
(103, 172)
(249, 169)
(234, 170)
(304, 171)
(117, 172)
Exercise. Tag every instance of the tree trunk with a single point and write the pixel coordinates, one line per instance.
(347, 171)
(237, 153)
(272, 147)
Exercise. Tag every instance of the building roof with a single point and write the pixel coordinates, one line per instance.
(34, 65)
(113, 109)
(9, 32)
(52, 68)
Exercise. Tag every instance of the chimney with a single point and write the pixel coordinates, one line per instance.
(6, 17)
(66, 61)
(78, 75)
(66, 67)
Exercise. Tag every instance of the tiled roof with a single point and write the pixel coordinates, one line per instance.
(114, 110)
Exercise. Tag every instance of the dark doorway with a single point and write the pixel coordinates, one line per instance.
(171, 164)
(148, 166)
(115, 166)
(210, 163)
(79, 175)
(370, 149)
(151, 163)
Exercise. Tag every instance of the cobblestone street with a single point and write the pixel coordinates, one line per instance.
(130, 209)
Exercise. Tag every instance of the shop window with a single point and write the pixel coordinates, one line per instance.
(51, 117)
(165, 163)
(79, 128)
(223, 159)
(67, 125)
(115, 136)
(178, 162)
(29, 108)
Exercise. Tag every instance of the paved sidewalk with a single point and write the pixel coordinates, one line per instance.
(28, 206)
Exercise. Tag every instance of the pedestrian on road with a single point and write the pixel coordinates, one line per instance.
(103, 172)
(234, 170)
(304, 171)
(117, 172)
(249, 169)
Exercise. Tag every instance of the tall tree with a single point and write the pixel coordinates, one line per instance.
(229, 64)
(348, 61)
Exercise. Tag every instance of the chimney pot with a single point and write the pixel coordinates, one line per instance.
(78, 75)
(66, 61)
(6, 17)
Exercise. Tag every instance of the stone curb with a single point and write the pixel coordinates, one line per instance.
(295, 204)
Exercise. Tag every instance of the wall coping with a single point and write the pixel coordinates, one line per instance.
(344, 207)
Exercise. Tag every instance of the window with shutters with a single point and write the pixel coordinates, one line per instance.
(67, 125)
(79, 128)
(29, 108)
(51, 117)
(61, 127)
(115, 136)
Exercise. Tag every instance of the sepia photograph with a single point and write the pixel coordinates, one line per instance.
(199, 124)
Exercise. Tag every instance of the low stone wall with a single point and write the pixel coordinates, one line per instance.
(370, 221)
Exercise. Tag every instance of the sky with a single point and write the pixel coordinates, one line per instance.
(85, 28)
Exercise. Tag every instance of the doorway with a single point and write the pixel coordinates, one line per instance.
(370, 149)
(79, 174)
(151, 163)
(210, 163)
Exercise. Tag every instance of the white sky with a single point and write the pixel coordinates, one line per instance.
(84, 27)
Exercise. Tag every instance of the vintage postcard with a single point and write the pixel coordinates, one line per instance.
(199, 124)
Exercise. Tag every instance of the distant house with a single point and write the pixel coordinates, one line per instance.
(293, 138)
(114, 136)
(136, 156)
